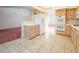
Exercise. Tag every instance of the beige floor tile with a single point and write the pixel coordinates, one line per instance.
(3, 49)
(34, 47)
(27, 51)
(58, 45)
(14, 47)
(69, 46)
(40, 44)
(58, 48)
(44, 49)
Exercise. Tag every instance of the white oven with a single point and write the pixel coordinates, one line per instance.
(60, 23)
(60, 27)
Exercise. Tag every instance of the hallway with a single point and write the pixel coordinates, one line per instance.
(41, 44)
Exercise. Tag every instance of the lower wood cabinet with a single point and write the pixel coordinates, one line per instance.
(30, 31)
(34, 31)
(74, 38)
(77, 37)
(68, 30)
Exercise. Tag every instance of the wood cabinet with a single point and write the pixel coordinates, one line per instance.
(71, 14)
(77, 13)
(34, 31)
(77, 9)
(30, 31)
(74, 37)
(77, 37)
(68, 30)
(60, 12)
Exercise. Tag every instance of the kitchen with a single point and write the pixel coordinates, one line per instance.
(41, 29)
(46, 29)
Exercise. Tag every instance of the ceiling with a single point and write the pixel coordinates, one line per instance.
(58, 7)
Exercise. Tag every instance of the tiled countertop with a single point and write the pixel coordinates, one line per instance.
(76, 27)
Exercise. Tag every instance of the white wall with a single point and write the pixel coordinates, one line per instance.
(13, 17)
(51, 16)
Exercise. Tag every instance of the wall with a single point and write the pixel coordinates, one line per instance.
(73, 22)
(11, 17)
(51, 15)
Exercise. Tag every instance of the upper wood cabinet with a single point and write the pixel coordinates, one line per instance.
(60, 12)
(77, 9)
(71, 14)
(77, 13)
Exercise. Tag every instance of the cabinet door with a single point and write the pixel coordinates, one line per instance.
(77, 41)
(60, 12)
(77, 12)
(71, 14)
(32, 31)
(72, 34)
(73, 37)
(67, 30)
(77, 9)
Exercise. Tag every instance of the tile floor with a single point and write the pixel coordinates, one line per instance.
(41, 44)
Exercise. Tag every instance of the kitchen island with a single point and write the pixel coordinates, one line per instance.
(29, 31)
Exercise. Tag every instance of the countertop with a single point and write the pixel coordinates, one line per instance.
(76, 27)
(31, 24)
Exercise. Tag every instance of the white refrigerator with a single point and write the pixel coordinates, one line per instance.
(39, 19)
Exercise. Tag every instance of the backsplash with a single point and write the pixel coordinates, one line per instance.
(73, 22)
